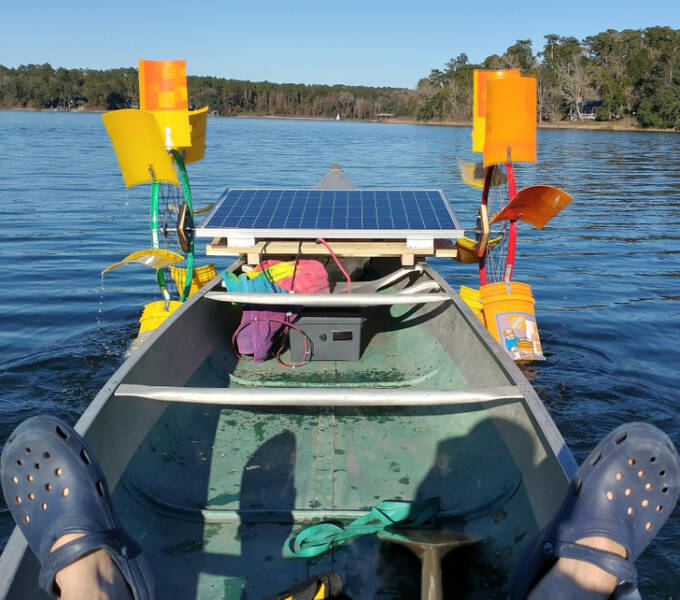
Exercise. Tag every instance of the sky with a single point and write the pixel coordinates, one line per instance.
(374, 43)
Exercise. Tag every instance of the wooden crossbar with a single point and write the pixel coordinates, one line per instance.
(341, 248)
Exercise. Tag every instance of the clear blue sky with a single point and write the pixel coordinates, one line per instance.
(360, 43)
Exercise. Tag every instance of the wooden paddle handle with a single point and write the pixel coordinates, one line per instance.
(431, 587)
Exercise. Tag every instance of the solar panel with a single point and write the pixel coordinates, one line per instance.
(349, 214)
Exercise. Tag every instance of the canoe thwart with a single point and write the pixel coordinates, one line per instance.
(328, 299)
(306, 397)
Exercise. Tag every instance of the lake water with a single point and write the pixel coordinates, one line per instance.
(605, 273)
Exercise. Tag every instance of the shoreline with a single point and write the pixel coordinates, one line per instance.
(623, 125)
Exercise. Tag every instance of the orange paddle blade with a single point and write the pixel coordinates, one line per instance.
(163, 85)
(480, 80)
(510, 134)
(536, 205)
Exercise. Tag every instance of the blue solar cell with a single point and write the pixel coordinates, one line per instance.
(246, 222)
(308, 222)
(331, 210)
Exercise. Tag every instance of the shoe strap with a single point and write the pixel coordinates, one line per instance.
(116, 542)
(621, 568)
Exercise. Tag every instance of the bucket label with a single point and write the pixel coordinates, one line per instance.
(518, 334)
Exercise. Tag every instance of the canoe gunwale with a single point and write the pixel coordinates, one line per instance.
(17, 564)
(536, 408)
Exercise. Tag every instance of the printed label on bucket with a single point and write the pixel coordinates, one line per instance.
(518, 334)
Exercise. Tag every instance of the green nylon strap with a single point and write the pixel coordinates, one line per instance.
(317, 539)
(160, 276)
(184, 178)
(155, 189)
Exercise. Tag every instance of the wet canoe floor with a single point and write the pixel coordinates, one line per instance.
(214, 493)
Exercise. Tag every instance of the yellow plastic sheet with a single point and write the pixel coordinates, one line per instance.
(481, 79)
(510, 121)
(467, 249)
(174, 127)
(195, 151)
(139, 147)
(471, 173)
(155, 258)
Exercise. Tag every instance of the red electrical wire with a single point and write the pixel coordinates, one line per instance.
(288, 325)
(337, 262)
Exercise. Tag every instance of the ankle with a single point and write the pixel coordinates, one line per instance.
(93, 576)
(570, 578)
(589, 576)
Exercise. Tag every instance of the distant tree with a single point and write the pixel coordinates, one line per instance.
(519, 55)
(662, 109)
(116, 100)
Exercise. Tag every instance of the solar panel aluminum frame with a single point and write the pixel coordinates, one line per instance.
(416, 238)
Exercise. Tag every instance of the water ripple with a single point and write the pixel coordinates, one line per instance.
(603, 273)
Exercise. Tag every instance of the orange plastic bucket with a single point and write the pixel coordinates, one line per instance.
(510, 317)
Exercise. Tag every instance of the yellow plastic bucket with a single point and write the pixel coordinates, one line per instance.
(201, 276)
(473, 299)
(154, 314)
(509, 314)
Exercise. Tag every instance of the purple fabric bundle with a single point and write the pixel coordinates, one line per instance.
(261, 326)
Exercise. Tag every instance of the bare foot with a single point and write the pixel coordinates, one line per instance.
(93, 577)
(570, 578)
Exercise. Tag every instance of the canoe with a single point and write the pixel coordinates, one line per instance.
(214, 461)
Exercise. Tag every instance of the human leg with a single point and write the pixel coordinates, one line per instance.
(58, 496)
(619, 499)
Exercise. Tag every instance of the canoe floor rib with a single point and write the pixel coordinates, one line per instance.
(306, 397)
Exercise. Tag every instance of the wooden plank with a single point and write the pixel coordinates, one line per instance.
(442, 249)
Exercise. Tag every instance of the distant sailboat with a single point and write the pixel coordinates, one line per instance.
(338, 117)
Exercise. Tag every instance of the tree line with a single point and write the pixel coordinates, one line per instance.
(614, 75)
(43, 87)
(629, 74)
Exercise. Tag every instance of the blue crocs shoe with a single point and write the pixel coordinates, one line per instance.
(624, 491)
(54, 486)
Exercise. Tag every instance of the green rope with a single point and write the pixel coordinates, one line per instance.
(317, 539)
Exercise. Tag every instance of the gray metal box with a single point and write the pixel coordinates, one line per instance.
(333, 335)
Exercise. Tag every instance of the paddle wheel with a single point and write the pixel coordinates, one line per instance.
(504, 130)
(153, 146)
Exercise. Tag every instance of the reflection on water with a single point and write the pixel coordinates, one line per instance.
(605, 273)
